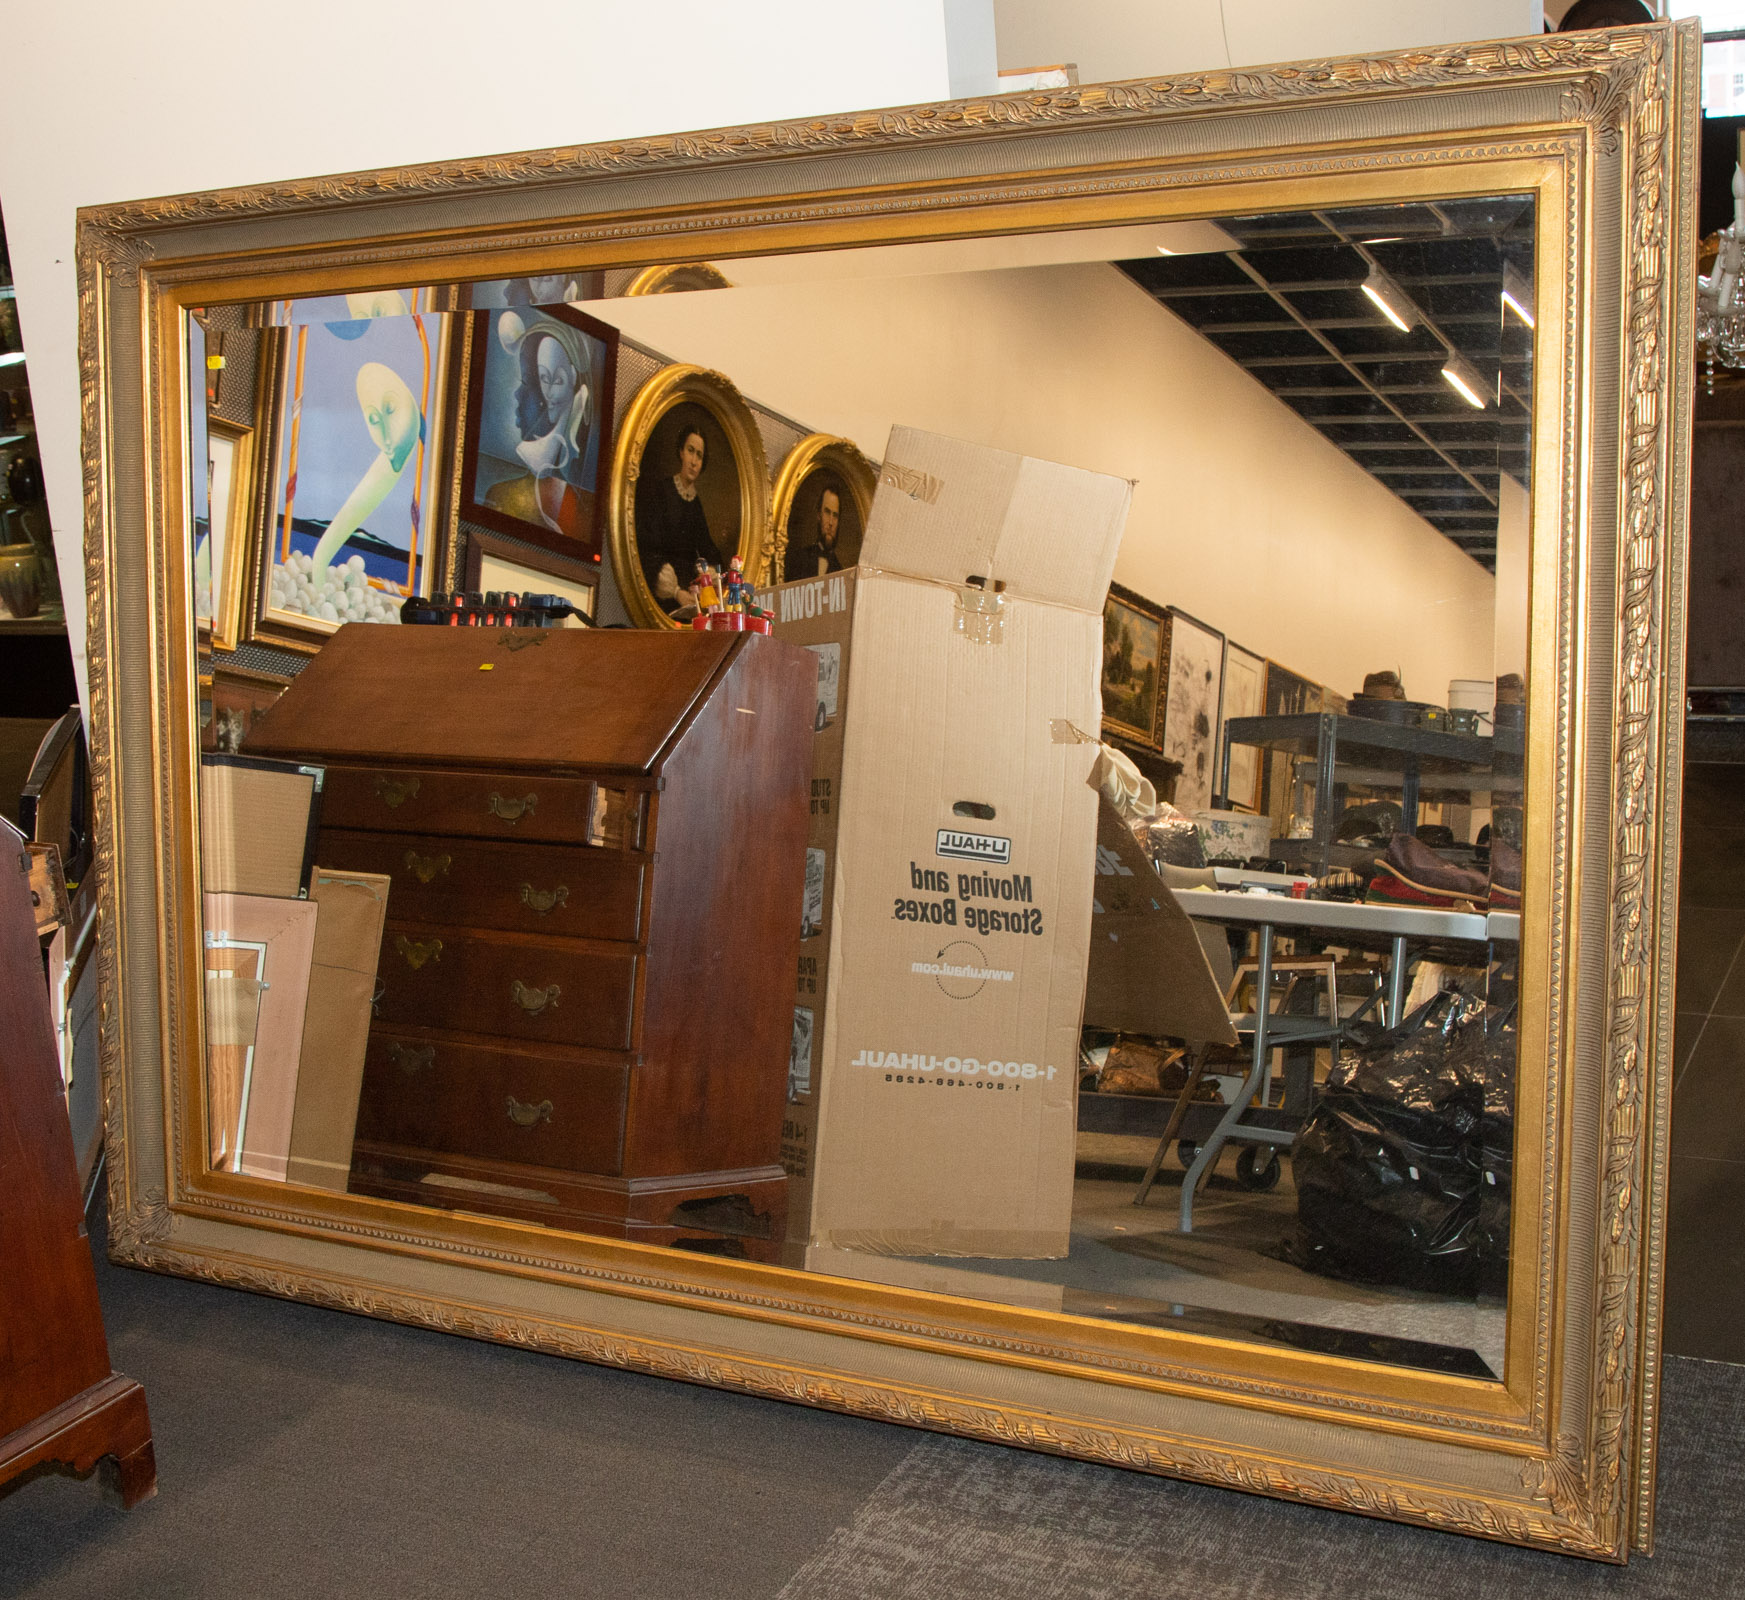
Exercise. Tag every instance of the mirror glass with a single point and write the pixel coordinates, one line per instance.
(1313, 703)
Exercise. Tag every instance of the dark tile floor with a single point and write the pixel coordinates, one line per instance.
(1705, 1263)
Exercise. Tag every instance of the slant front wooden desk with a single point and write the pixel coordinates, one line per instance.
(597, 842)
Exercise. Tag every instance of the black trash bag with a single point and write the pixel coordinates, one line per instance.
(1402, 1171)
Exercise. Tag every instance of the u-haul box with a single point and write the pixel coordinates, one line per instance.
(933, 1111)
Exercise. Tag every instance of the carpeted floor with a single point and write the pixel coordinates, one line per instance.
(307, 1453)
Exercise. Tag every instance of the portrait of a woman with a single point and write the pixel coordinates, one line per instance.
(672, 531)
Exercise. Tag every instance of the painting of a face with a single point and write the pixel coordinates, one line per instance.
(557, 380)
(390, 412)
(692, 454)
(539, 424)
(359, 458)
(550, 290)
(829, 516)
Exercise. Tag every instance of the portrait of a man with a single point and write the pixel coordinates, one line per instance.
(823, 530)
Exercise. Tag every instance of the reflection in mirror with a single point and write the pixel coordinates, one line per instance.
(432, 977)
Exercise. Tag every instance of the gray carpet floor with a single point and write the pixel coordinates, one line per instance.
(308, 1453)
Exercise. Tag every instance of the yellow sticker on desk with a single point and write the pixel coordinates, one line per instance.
(485, 666)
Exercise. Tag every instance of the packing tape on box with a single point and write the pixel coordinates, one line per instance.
(980, 615)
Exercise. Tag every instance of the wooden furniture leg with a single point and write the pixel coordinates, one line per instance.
(59, 1398)
(106, 1427)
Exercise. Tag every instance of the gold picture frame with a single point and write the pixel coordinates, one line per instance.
(677, 277)
(841, 459)
(283, 367)
(1600, 127)
(711, 400)
(223, 631)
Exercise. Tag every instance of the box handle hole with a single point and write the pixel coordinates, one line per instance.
(973, 808)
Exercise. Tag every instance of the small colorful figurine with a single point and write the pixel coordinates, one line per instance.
(707, 587)
(738, 595)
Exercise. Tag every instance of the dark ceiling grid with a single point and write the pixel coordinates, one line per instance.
(1288, 307)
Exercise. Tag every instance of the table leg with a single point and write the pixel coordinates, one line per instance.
(1397, 983)
(1209, 1151)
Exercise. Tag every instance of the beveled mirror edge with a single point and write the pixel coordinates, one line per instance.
(1619, 83)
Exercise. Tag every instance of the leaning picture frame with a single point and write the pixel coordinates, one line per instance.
(540, 383)
(1136, 634)
(1600, 128)
(494, 562)
(351, 496)
(1192, 709)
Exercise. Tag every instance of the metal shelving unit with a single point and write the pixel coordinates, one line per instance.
(1425, 763)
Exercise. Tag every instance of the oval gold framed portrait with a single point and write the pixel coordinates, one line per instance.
(689, 483)
(819, 507)
(677, 277)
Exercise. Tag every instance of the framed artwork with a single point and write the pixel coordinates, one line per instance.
(493, 562)
(1244, 696)
(1287, 695)
(1135, 660)
(1192, 697)
(690, 483)
(355, 415)
(222, 534)
(819, 508)
(547, 289)
(539, 394)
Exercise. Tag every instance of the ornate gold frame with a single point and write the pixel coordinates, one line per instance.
(715, 393)
(677, 278)
(1600, 127)
(288, 630)
(222, 631)
(844, 458)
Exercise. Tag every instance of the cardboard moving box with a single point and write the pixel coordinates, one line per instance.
(934, 1111)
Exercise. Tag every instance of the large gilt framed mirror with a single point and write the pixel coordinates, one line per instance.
(1395, 357)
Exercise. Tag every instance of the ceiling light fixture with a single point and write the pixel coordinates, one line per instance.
(1518, 293)
(1463, 378)
(1390, 299)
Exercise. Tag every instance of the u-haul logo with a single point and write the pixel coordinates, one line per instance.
(973, 846)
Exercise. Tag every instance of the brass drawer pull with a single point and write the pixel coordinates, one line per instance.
(416, 951)
(424, 868)
(511, 810)
(543, 900)
(410, 1059)
(533, 1001)
(396, 791)
(528, 1116)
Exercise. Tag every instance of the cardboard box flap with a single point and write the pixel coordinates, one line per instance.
(1148, 972)
(948, 510)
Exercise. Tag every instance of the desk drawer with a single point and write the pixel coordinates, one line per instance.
(512, 805)
(539, 889)
(462, 1099)
(505, 987)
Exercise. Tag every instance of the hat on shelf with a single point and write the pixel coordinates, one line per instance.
(1383, 686)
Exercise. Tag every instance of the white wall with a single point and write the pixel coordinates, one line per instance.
(109, 100)
(1242, 514)
(1111, 39)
